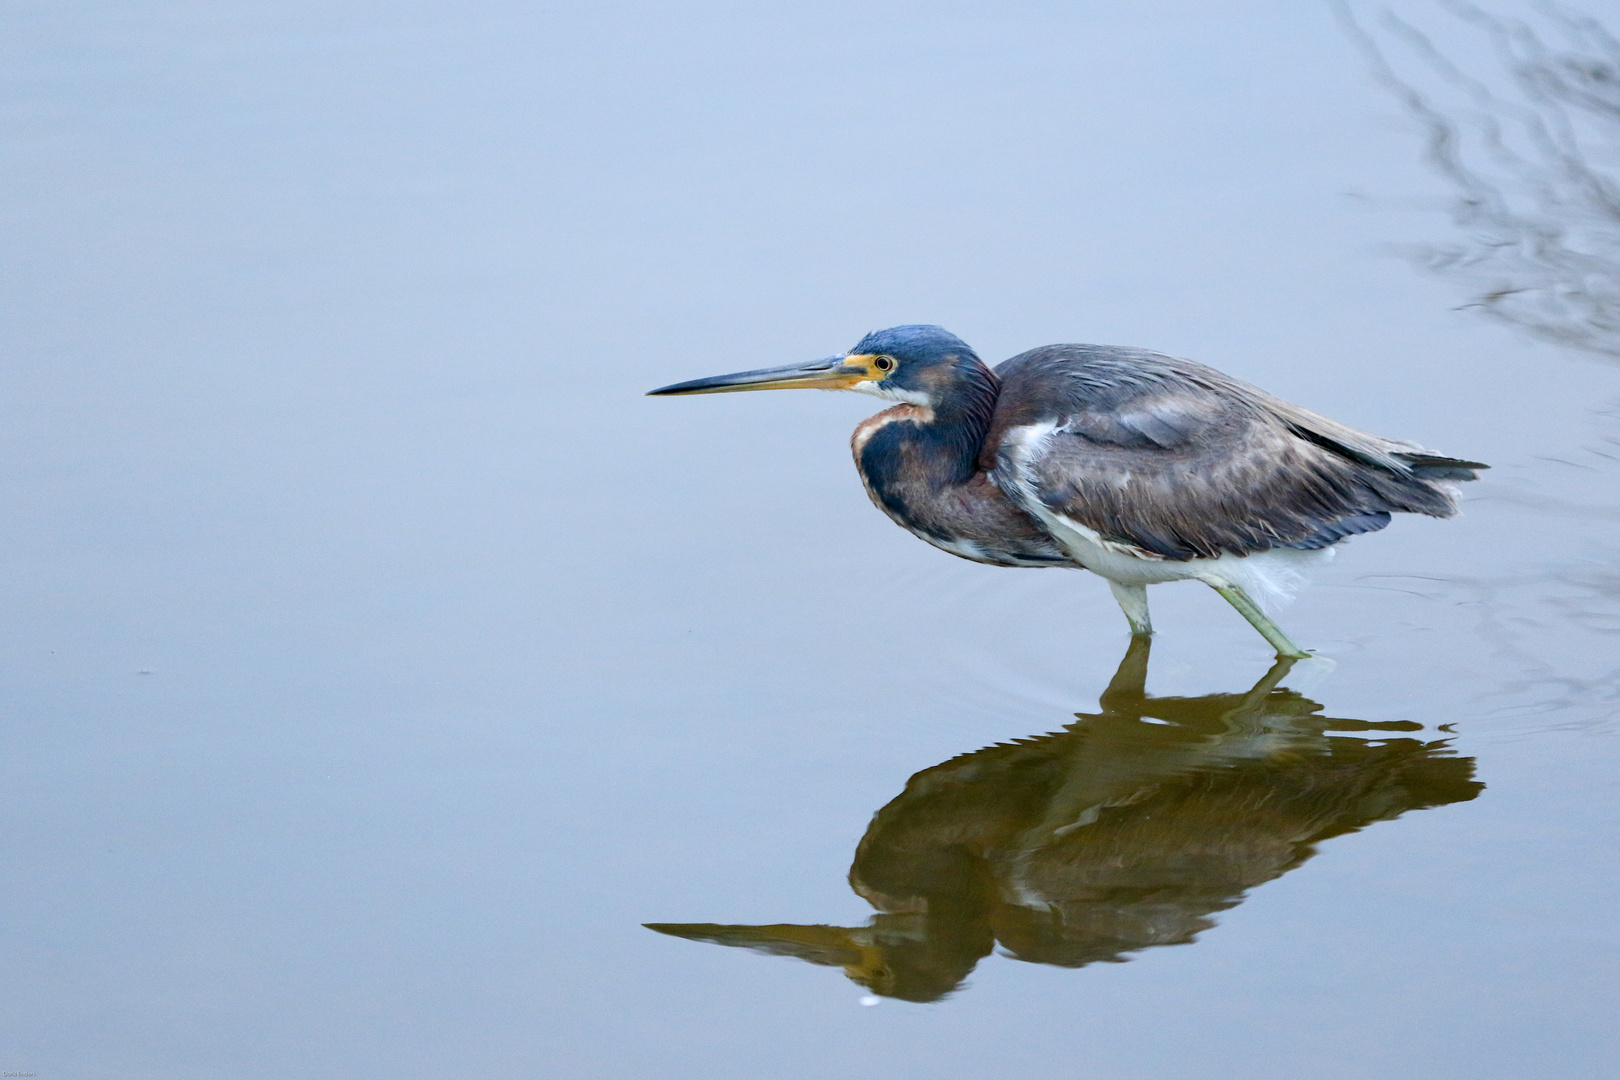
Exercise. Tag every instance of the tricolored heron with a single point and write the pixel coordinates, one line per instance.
(1137, 466)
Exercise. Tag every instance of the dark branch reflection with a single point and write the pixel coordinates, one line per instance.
(1527, 141)
(1126, 830)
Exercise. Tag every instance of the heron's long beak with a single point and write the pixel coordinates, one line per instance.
(828, 373)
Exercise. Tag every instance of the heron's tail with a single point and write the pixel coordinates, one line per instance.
(1435, 467)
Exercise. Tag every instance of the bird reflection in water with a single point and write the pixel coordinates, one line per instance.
(1126, 830)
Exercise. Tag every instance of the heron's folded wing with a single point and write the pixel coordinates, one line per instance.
(1179, 469)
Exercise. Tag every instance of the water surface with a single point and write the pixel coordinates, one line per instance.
(378, 660)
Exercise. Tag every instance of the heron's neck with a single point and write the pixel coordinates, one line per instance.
(936, 447)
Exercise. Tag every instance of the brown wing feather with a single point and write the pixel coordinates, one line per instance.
(1184, 462)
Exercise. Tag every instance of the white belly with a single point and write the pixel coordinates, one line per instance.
(1270, 577)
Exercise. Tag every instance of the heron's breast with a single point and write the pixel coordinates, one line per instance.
(916, 414)
(914, 473)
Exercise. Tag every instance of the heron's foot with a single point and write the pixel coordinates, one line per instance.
(1310, 674)
(1133, 602)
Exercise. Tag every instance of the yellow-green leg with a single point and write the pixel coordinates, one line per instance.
(1269, 630)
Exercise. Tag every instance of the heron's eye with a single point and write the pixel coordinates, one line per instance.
(884, 363)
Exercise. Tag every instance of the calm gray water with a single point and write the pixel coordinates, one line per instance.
(377, 660)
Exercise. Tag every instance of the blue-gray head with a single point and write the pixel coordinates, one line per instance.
(920, 364)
